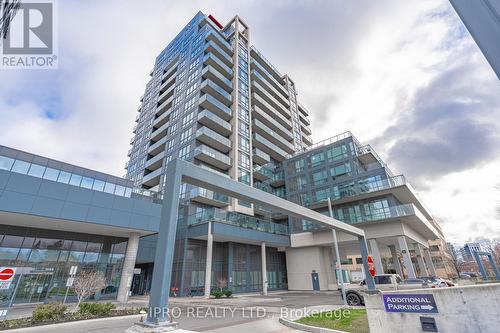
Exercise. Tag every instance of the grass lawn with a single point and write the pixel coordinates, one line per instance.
(349, 320)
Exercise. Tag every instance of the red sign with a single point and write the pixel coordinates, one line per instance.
(371, 266)
(6, 274)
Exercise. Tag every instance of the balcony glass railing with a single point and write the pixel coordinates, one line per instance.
(211, 195)
(214, 118)
(202, 149)
(240, 220)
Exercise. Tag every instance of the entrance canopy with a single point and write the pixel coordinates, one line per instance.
(180, 171)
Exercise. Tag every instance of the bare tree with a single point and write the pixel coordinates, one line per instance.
(87, 283)
(221, 283)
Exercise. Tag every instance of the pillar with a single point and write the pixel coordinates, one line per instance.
(128, 267)
(420, 260)
(377, 260)
(395, 260)
(364, 255)
(264, 268)
(430, 264)
(403, 246)
(230, 255)
(208, 266)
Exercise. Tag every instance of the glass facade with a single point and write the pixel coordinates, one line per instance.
(46, 256)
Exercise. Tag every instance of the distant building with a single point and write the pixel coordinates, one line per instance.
(468, 250)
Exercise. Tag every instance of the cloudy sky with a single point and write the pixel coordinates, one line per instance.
(404, 76)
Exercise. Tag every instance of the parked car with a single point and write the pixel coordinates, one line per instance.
(383, 282)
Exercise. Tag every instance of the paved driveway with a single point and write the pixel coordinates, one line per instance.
(242, 314)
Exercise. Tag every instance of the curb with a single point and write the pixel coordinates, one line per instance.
(307, 328)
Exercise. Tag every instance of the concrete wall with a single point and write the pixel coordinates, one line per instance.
(301, 262)
(461, 309)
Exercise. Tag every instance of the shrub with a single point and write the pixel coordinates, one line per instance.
(216, 293)
(46, 312)
(228, 293)
(96, 309)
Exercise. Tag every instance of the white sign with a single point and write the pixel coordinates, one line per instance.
(137, 271)
(70, 281)
(72, 270)
(3, 313)
(6, 276)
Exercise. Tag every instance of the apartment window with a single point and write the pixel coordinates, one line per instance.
(75, 180)
(243, 100)
(336, 153)
(243, 176)
(243, 87)
(320, 177)
(244, 129)
(169, 146)
(194, 63)
(21, 167)
(6, 163)
(317, 159)
(244, 144)
(64, 177)
(191, 89)
(244, 160)
(190, 103)
(341, 170)
(187, 118)
(184, 152)
(299, 165)
(51, 174)
(243, 114)
(186, 135)
(36, 170)
(193, 76)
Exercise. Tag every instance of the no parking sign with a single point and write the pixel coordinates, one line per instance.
(6, 276)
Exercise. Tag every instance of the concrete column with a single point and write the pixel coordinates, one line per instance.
(406, 257)
(230, 255)
(395, 260)
(264, 268)
(420, 260)
(377, 260)
(128, 267)
(430, 264)
(208, 266)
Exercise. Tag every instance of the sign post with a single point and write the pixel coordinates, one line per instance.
(70, 281)
(6, 278)
(413, 303)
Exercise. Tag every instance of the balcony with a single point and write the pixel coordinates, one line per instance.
(216, 38)
(273, 72)
(268, 147)
(262, 172)
(208, 197)
(213, 139)
(157, 147)
(161, 120)
(211, 73)
(270, 88)
(270, 99)
(167, 84)
(260, 157)
(220, 94)
(166, 94)
(272, 136)
(211, 120)
(237, 219)
(260, 114)
(211, 103)
(219, 52)
(152, 179)
(303, 110)
(307, 139)
(254, 65)
(155, 162)
(304, 120)
(211, 60)
(305, 129)
(269, 110)
(212, 157)
(165, 106)
(159, 133)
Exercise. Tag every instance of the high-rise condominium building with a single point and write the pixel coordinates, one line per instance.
(213, 99)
